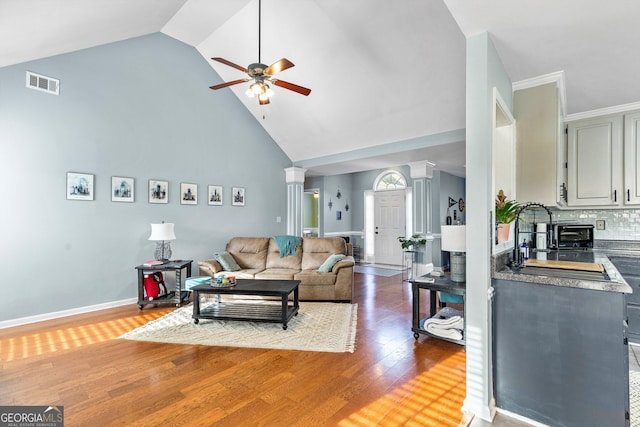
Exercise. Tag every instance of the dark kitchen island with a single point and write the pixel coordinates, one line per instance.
(560, 350)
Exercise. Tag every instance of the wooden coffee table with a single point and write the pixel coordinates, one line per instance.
(260, 311)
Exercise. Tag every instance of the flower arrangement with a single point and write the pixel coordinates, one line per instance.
(506, 210)
(415, 240)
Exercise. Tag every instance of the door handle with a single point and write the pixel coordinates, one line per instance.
(628, 195)
(615, 196)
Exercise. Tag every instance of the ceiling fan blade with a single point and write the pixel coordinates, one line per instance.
(231, 64)
(278, 66)
(301, 90)
(234, 82)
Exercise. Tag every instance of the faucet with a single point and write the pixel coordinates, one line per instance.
(516, 232)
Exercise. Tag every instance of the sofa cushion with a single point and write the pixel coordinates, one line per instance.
(227, 261)
(249, 252)
(277, 274)
(316, 250)
(289, 262)
(314, 278)
(330, 262)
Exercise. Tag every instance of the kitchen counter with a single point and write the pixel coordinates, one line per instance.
(615, 283)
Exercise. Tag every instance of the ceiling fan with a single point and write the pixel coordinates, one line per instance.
(261, 74)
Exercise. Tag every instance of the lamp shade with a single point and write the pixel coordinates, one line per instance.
(454, 238)
(162, 231)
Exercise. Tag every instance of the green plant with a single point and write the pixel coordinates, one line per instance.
(415, 240)
(506, 210)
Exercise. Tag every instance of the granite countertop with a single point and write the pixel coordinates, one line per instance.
(501, 269)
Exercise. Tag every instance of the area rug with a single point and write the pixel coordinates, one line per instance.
(376, 271)
(634, 397)
(324, 327)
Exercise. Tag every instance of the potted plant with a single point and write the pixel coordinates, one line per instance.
(506, 211)
(415, 240)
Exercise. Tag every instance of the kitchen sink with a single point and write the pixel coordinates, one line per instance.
(565, 274)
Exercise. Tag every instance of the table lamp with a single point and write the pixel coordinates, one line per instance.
(161, 234)
(454, 240)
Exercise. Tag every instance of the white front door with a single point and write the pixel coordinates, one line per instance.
(389, 224)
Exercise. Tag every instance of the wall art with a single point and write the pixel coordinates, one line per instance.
(122, 189)
(237, 196)
(188, 193)
(214, 195)
(158, 191)
(79, 186)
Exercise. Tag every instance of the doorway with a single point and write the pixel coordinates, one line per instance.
(311, 212)
(389, 223)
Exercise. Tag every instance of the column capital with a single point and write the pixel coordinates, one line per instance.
(294, 174)
(423, 169)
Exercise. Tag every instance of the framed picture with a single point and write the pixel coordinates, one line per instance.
(121, 189)
(188, 193)
(79, 186)
(158, 191)
(237, 196)
(214, 195)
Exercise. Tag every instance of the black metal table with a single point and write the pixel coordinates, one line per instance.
(260, 311)
(171, 298)
(439, 284)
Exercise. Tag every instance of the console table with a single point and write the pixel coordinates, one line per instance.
(439, 284)
(174, 297)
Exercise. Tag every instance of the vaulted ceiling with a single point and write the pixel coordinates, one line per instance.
(382, 73)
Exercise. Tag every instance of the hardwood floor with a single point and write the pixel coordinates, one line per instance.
(79, 363)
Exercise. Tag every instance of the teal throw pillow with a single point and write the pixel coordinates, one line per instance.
(227, 261)
(330, 262)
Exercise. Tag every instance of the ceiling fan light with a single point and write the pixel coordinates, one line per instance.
(269, 92)
(264, 96)
(257, 88)
(263, 101)
(249, 93)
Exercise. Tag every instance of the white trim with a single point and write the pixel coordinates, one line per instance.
(556, 77)
(344, 233)
(603, 112)
(64, 313)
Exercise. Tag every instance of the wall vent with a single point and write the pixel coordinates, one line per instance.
(43, 83)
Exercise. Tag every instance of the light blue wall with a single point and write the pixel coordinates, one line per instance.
(139, 108)
(331, 186)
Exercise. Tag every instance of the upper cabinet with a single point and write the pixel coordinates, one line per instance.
(540, 145)
(603, 161)
(594, 169)
(632, 158)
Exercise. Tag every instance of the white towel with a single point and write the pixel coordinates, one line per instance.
(449, 328)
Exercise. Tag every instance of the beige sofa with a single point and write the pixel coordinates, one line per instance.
(259, 258)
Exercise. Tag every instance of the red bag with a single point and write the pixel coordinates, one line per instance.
(154, 285)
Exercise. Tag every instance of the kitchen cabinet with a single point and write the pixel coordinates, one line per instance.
(540, 145)
(594, 170)
(631, 159)
(629, 268)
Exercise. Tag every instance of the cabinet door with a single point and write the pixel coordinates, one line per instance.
(595, 162)
(631, 159)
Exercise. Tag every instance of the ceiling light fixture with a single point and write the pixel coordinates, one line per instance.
(261, 74)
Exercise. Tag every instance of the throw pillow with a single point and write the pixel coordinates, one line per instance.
(227, 261)
(330, 262)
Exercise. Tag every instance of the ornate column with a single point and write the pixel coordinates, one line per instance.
(294, 177)
(421, 174)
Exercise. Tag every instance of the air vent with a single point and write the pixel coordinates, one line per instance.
(43, 83)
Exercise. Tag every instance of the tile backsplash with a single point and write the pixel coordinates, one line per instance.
(620, 224)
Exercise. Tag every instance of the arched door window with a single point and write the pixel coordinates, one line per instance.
(390, 180)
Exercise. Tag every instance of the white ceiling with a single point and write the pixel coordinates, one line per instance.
(380, 71)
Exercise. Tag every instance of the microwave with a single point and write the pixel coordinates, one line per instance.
(574, 236)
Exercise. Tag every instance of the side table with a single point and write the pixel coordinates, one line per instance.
(174, 297)
(439, 284)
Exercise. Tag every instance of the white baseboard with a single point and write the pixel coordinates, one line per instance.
(64, 313)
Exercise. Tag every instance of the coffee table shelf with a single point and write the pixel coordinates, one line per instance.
(263, 311)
